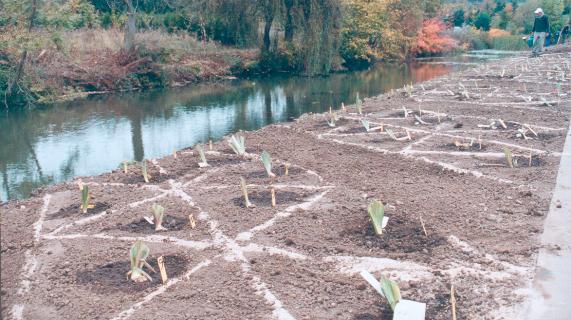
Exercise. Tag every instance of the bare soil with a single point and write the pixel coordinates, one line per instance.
(456, 216)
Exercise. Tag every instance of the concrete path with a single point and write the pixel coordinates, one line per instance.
(551, 299)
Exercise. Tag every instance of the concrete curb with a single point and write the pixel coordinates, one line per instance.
(552, 280)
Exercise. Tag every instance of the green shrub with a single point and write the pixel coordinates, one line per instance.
(510, 43)
(469, 38)
(70, 15)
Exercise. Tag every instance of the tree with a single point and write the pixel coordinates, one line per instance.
(430, 39)
(289, 27)
(11, 89)
(483, 21)
(130, 27)
(458, 17)
(554, 11)
(268, 10)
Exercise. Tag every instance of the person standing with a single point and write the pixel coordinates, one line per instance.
(540, 31)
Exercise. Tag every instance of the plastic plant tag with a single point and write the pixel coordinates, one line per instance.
(149, 220)
(372, 281)
(162, 269)
(409, 310)
(405, 309)
(385, 221)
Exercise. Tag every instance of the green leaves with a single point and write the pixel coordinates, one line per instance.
(138, 255)
(509, 157)
(238, 145)
(366, 124)
(391, 291)
(332, 119)
(359, 104)
(146, 174)
(377, 214)
(386, 288)
(267, 161)
(85, 198)
(203, 163)
(158, 214)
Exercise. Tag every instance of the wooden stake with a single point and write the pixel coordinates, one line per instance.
(286, 169)
(528, 127)
(125, 167)
(210, 144)
(453, 302)
(191, 221)
(162, 268)
(530, 157)
(423, 227)
(502, 123)
(273, 197)
(174, 153)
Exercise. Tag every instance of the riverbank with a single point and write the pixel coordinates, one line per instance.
(459, 215)
(74, 64)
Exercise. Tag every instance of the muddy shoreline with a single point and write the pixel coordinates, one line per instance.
(302, 258)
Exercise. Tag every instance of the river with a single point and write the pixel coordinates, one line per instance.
(57, 143)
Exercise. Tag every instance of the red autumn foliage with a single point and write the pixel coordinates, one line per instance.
(430, 39)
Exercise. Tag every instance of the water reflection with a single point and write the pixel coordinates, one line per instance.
(56, 143)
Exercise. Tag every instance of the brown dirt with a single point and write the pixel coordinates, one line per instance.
(75, 210)
(303, 257)
(111, 276)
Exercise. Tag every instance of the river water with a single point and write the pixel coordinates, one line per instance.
(56, 143)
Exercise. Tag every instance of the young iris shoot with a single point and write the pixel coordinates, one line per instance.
(377, 214)
(366, 124)
(238, 145)
(244, 188)
(85, 198)
(391, 291)
(509, 157)
(146, 174)
(332, 119)
(267, 161)
(158, 215)
(359, 104)
(203, 163)
(138, 255)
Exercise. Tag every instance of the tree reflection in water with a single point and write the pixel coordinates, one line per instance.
(56, 143)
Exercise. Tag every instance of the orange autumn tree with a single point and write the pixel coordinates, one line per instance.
(431, 41)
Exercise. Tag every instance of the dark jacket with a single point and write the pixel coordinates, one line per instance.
(541, 24)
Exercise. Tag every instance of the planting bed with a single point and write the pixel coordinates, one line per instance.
(458, 215)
